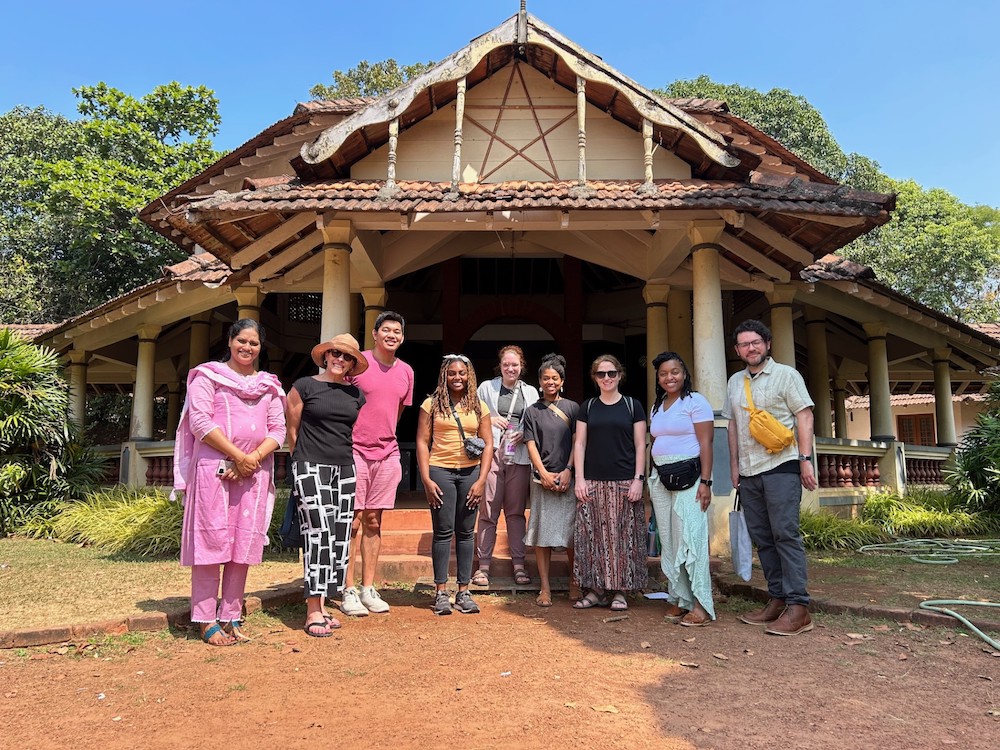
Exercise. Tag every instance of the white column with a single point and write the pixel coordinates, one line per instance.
(840, 408)
(336, 315)
(679, 325)
(375, 298)
(944, 410)
(783, 344)
(819, 371)
(78, 386)
(880, 403)
(656, 331)
(198, 347)
(248, 302)
(709, 336)
(142, 393)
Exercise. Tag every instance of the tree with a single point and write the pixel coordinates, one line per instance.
(42, 458)
(368, 79)
(69, 203)
(936, 249)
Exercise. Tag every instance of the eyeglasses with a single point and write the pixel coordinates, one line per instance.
(341, 355)
(450, 357)
(602, 374)
(744, 345)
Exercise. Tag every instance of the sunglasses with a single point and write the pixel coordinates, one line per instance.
(336, 354)
(601, 374)
(450, 357)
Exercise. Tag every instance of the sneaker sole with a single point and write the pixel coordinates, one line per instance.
(355, 613)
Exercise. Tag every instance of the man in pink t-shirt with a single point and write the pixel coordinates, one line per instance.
(388, 388)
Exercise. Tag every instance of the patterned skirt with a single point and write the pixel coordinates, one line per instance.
(610, 539)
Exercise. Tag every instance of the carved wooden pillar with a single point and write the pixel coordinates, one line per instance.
(456, 165)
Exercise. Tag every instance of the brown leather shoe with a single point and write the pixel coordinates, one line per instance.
(765, 616)
(794, 620)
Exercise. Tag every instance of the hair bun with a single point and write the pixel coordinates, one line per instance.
(553, 357)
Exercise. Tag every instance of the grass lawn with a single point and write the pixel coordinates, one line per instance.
(44, 583)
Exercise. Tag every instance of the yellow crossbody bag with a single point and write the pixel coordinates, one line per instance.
(765, 428)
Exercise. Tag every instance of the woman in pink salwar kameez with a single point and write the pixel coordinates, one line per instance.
(233, 421)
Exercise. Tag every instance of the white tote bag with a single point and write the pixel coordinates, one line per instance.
(739, 541)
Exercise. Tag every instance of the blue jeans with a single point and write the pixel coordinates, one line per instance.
(771, 507)
(453, 518)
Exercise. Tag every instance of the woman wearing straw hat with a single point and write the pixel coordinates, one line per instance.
(322, 410)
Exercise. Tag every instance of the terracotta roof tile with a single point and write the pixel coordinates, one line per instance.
(990, 329)
(203, 267)
(770, 192)
(29, 330)
(909, 399)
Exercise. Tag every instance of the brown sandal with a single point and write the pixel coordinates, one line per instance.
(691, 620)
(544, 599)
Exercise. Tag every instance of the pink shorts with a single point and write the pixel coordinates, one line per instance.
(377, 482)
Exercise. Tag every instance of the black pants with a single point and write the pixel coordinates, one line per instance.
(454, 518)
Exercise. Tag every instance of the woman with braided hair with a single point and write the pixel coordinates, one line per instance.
(453, 474)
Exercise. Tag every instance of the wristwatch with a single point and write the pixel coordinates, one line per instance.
(640, 477)
(706, 482)
(805, 458)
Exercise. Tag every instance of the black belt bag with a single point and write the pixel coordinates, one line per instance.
(680, 475)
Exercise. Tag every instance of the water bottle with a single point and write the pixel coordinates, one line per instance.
(509, 447)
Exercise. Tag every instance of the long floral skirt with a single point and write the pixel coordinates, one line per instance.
(610, 539)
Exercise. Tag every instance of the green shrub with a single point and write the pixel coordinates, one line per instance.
(43, 458)
(976, 475)
(140, 521)
(822, 531)
(926, 513)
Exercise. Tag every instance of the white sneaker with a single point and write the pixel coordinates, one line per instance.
(371, 599)
(351, 604)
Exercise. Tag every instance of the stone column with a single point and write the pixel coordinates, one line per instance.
(819, 371)
(248, 302)
(783, 344)
(375, 298)
(78, 386)
(840, 408)
(200, 336)
(657, 339)
(944, 409)
(880, 403)
(709, 335)
(173, 408)
(142, 393)
(679, 327)
(336, 315)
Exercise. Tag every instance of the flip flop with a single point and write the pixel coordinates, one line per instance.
(235, 629)
(591, 600)
(324, 633)
(215, 630)
(618, 604)
(695, 622)
(331, 622)
(480, 578)
(521, 577)
(544, 600)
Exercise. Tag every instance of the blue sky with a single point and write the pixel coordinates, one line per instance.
(910, 83)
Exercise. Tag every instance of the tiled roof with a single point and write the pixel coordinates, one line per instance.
(834, 268)
(29, 330)
(770, 193)
(203, 267)
(909, 399)
(990, 329)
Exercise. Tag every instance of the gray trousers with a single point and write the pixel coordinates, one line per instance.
(771, 507)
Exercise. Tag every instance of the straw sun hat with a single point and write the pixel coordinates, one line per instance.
(342, 342)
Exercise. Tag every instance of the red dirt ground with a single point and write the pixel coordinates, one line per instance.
(514, 676)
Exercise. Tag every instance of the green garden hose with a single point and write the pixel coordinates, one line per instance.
(939, 605)
(943, 552)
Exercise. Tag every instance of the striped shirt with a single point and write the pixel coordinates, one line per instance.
(778, 389)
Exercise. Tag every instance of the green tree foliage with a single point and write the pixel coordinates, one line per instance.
(936, 249)
(977, 472)
(368, 79)
(70, 191)
(42, 459)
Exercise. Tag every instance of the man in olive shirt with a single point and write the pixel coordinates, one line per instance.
(771, 484)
